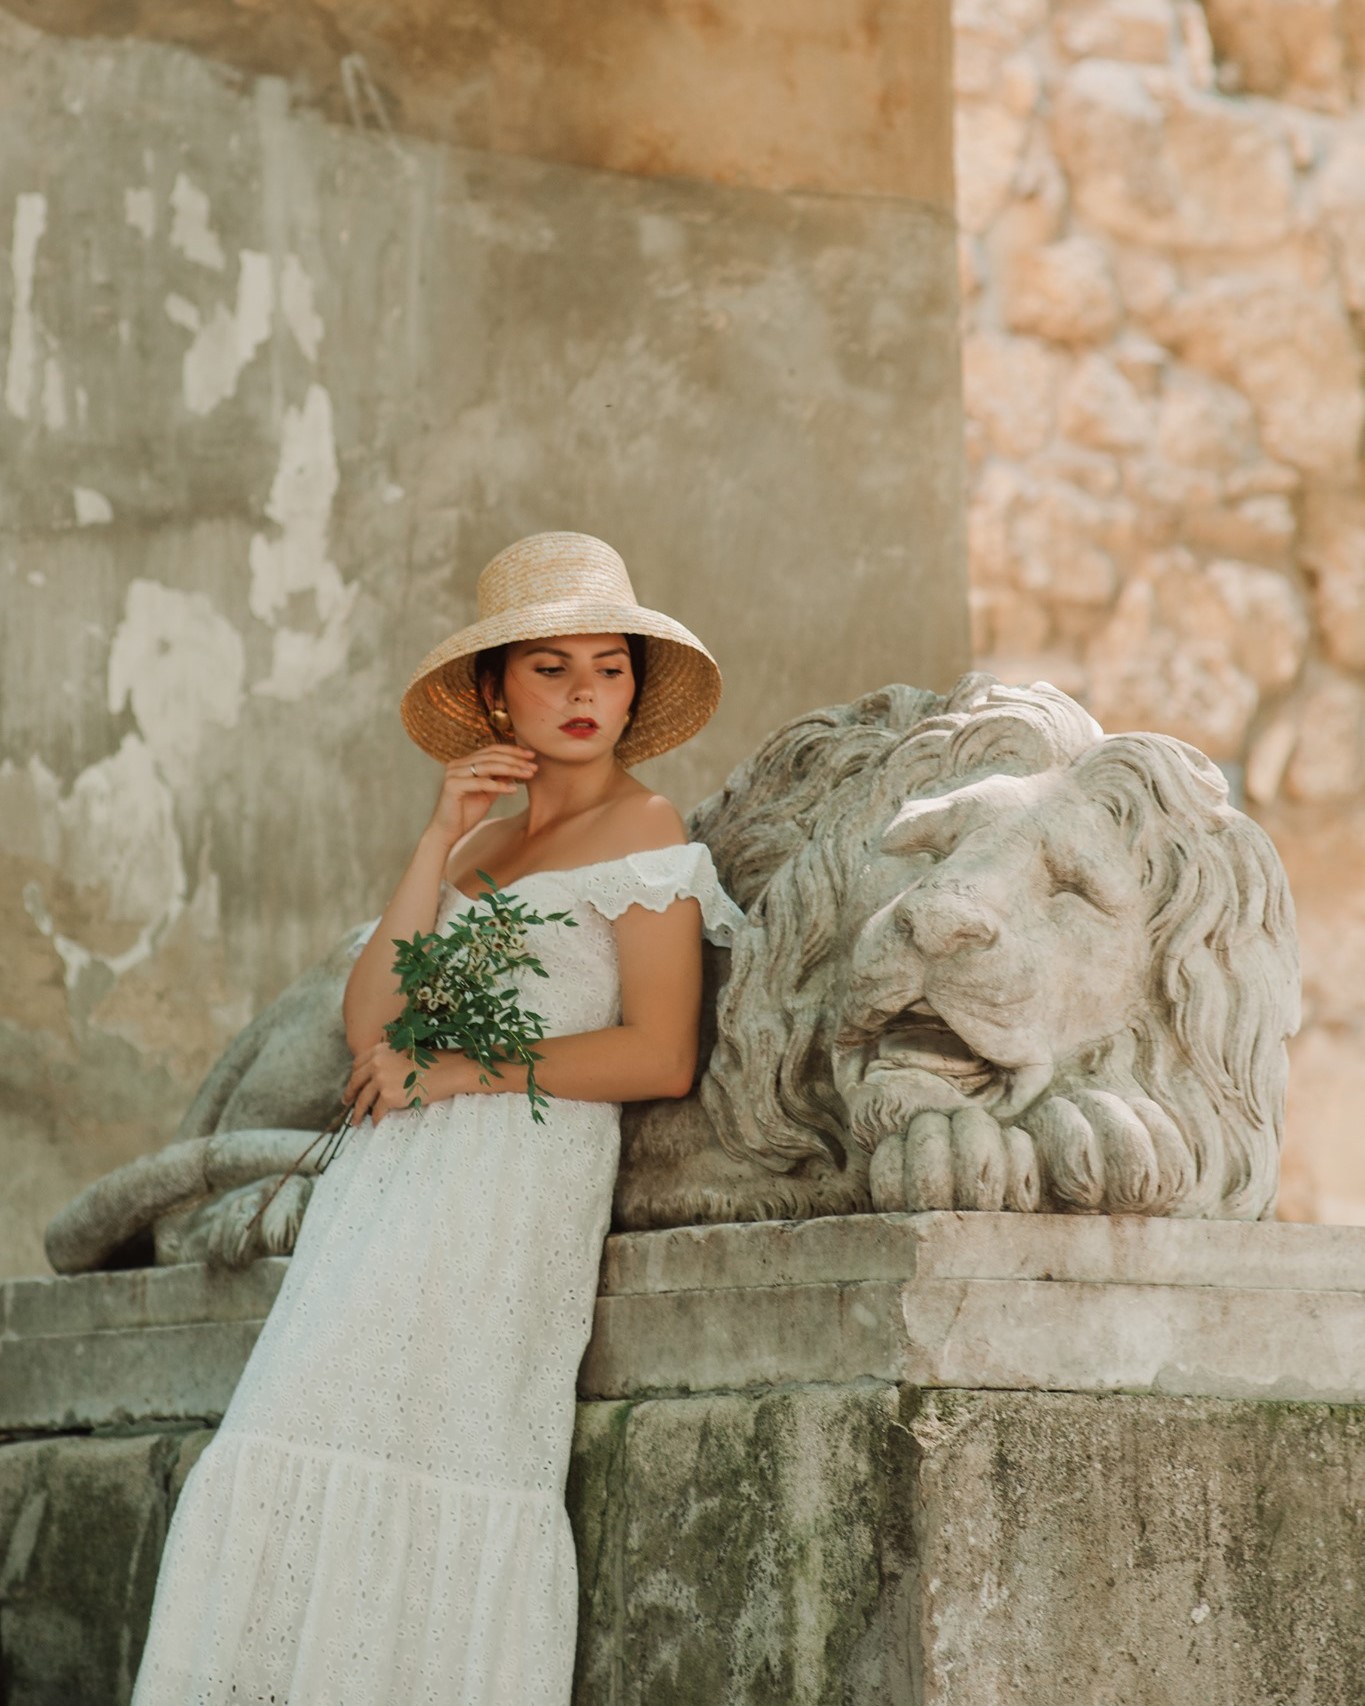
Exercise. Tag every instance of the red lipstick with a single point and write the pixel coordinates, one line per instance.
(582, 727)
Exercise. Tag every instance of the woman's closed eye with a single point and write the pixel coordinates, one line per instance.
(611, 671)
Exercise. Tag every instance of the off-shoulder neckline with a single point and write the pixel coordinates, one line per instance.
(577, 870)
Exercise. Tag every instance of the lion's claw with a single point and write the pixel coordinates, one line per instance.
(961, 1160)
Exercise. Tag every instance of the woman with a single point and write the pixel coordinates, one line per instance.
(379, 1519)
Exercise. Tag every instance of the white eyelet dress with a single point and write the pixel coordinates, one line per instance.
(380, 1518)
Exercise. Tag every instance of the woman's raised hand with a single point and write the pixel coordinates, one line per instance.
(472, 784)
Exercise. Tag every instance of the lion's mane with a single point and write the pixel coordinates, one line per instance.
(798, 825)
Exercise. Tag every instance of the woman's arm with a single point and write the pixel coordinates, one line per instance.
(372, 999)
(651, 1053)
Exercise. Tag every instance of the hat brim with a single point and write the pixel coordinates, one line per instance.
(444, 713)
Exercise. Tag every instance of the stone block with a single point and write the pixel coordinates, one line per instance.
(1334, 554)
(1329, 756)
(1296, 53)
(1204, 423)
(1153, 662)
(848, 1545)
(1063, 291)
(1113, 1303)
(99, 1350)
(83, 1522)
(1341, 197)
(762, 1553)
(929, 1460)
(1155, 163)
(1136, 30)
(1124, 1551)
(973, 1300)
(1291, 351)
(988, 146)
(1101, 410)
(1261, 528)
(1010, 386)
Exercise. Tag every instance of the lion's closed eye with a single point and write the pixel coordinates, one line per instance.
(1082, 889)
(1066, 879)
(922, 845)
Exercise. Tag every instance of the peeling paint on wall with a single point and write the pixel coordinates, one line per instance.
(139, 210)
(181, 666)
(296, 560)
(226, 343)
(93, 509)
(30, 222)
(296, 301)
(191, 231)
(54, 396)
(180, 312)
(118, 878)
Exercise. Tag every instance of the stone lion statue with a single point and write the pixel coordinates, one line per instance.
(992, 959)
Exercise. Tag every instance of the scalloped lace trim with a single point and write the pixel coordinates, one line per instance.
(655, 880)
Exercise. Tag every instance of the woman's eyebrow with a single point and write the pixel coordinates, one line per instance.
(555, 651)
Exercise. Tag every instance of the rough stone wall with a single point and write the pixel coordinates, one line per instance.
(272, 388)
(835, 1546)
(1162, 252)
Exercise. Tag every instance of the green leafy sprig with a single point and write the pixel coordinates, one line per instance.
(457, 993)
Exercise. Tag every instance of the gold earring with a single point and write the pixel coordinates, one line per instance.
(630, 718)
(500, 720)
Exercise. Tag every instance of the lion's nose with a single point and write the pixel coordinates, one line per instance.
(945, 924)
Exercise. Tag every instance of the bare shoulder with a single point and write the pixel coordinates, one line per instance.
(480, 848)
(640, 822)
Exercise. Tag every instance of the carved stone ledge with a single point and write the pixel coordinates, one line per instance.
(976, 1301)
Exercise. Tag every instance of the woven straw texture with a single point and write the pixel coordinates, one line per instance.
(562, 583)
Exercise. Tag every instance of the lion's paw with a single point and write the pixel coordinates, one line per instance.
(1104, 1154)
(259, 1219)
(963, 1160)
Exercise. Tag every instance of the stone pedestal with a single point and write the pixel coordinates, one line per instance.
(947, 1460)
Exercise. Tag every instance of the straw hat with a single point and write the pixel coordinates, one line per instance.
(562, 583)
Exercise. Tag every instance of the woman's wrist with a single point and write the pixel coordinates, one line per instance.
(449, 1074)
(438, 839)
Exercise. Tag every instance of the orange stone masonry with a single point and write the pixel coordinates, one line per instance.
(1162, 252)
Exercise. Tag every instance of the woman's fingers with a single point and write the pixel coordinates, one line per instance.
(362, 1067)
(470, 785)
(365, 1090)
(495, 749)
(500, 763)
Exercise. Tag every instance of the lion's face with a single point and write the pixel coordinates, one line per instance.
(1009, 934)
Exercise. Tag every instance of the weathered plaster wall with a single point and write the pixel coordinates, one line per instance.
(272, 389)
(780, 94)
(1163, 266)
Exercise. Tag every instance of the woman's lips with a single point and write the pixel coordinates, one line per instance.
(582, 727)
